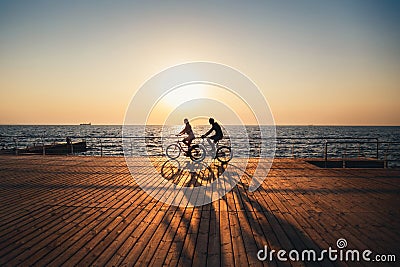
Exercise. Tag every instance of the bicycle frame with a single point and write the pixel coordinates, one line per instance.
(180, 142)
(210, 142)
(195, 152)
(214, 151)
(198, 152)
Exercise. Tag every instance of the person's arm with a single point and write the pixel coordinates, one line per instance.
(209, 131)
(184, 130)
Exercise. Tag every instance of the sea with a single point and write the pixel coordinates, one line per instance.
(287, 141)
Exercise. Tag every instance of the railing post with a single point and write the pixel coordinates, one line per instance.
(387, 151)
(43, 148)
(385, 161)
(131, 147)
(16, 146)
(293, 151)
(101, 148)
(326, 152)
(377, 148)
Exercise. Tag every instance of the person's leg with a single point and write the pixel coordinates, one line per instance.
(212, 144)
(209, 142)
(189, 142)
(217, 138)
(186, 142)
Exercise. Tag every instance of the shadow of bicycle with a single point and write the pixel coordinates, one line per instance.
(190, 174)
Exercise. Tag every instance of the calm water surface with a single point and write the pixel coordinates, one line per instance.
(292, 141)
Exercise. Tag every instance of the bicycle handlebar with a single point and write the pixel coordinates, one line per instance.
(205, 137)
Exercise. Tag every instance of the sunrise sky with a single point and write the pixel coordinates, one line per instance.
(316, 62)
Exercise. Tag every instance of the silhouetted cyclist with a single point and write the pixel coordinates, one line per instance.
(187, 130)
(217, 136)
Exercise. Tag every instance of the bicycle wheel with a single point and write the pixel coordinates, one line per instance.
(224, 154)
(173, 151)
(197, 153)
(169, 169)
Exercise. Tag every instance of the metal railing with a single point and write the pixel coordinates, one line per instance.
(351, 142)
(286, 147)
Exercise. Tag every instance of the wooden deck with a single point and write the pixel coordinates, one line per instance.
(63, 210)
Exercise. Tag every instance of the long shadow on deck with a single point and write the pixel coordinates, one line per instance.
(229, 231)
(232, 230)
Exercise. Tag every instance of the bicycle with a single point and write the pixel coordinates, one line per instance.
(196, 153)
(222, 153)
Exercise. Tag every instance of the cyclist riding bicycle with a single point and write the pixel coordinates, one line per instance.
(187, 130)
(217, 136)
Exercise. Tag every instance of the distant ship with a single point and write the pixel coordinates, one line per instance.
(86, 123)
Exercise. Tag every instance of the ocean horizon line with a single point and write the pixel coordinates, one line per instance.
(276, 125)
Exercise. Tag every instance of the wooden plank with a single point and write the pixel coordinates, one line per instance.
(175, 246)
(90, 211)
(214, 238)
(160, 233)
(144, 232)
(201, 246)
(104, 232)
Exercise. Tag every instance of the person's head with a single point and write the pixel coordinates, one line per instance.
(211, 120)
(186, 121)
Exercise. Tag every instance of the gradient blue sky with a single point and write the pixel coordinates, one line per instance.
(317, 62)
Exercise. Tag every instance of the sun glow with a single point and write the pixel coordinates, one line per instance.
(338, 65)
(176, 97)
(200, 101)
